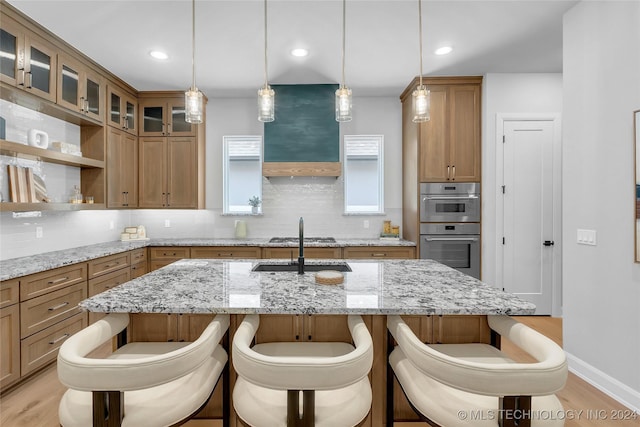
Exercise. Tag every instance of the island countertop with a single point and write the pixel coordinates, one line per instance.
(418, 287)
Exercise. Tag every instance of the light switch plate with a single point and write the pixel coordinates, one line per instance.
(167, 223)
(38, 232)
(587, 237)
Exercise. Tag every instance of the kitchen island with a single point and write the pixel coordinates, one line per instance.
(438, 302)
(418, 287)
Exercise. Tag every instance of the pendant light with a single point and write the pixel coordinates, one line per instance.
(343, 94)
(421, 95)
(193, 97)
(266, 95)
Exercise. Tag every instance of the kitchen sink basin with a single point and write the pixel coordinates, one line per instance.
(342, 266)
(305, 240)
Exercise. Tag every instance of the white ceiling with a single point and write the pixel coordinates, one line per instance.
(382, 54)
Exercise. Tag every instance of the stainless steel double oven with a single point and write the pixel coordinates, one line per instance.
(450, 225)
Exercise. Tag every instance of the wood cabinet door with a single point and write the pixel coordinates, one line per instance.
(464, 136)
(152, 327)
(12, 51)
(10, 349)
(176, 114)
(279, 328)
(92, 88)
(69, 83)
(115, 191)
(152, 164)
(434, 150)
(182, 173)
(129, 169)
(152, 118)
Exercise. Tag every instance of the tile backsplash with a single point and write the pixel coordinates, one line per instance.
(318, 200)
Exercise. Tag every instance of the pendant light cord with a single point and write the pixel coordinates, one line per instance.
(344, 28)
(265, 44)
(193, 43)
(420, 24)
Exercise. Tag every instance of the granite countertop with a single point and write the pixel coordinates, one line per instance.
(373, 287)
(23, 266)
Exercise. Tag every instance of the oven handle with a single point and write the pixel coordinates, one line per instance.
(451, 239)
(470, 196)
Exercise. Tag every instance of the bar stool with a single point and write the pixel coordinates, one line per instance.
(477, 384)
(302, 383)
(141, 383)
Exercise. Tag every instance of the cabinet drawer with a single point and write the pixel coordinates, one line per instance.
(139, 269)
(380, 252)
(138, 255)
(108, 281)
(170, 253)
(108, 264)
(225, 252)
(38, 284)
(43, 311)
(9, 292)
(42, 348)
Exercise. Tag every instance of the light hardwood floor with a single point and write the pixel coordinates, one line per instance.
(35, 402)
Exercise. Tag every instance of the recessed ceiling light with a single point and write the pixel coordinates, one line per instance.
(158, 54)
(300, 52)
(444, 50)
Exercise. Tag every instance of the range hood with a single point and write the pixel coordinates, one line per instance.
(304, 139)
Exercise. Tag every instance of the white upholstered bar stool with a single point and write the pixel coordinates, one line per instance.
(302, 383)
(141, 384)
(477, 384)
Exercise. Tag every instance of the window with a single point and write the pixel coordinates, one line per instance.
(242, 173)
(363, 174)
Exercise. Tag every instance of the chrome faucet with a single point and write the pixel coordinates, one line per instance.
(301, 248)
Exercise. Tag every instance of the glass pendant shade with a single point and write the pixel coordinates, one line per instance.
(266, 104)
(421, 103)
(193, 106)
(343, 104)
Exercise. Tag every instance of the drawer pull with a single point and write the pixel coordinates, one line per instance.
(65, 336)
(379, 255)
(56, 307)
(227, 254)
(53, 282)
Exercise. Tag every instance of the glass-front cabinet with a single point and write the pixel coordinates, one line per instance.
(80, 88)
(164, 117)
(122, 108)
(27, 61)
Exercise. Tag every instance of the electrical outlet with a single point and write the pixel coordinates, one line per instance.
(366, 223)
(38, 232)
(167, 223)
(587, 237)
(112, 225)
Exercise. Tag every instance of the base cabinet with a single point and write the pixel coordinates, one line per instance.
(10, 349)
(181, 328)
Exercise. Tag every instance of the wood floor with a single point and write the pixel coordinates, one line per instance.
(35, 402)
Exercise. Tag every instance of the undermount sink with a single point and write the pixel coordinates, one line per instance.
(305, 240)
(341, 266)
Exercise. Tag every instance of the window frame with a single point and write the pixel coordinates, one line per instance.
(380, 169)
(226, 140)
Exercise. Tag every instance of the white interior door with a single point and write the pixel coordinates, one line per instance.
(528, 211)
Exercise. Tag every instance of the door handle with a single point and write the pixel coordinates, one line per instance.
(448, 172)
(548, 243)
(454, 172)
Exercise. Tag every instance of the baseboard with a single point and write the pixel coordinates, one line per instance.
(605, 383)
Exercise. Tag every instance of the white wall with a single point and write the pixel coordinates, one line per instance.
(514, 94)
(601, 283)
(319, 200)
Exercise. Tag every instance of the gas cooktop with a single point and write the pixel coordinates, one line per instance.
(306, 240)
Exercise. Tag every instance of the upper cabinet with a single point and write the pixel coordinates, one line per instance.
(163, 115)
(122, 110)
(27, 61)
(449, 143)
(80, 88)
